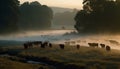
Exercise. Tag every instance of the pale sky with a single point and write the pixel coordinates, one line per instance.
(59, 3)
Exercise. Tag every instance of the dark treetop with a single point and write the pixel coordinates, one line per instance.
(35, 16)
(98, 16)
(8, 15)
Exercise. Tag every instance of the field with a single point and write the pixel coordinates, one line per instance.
(56, 58)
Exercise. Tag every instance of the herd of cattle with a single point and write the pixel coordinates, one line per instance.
(62, 46)
(96, 45)
(37, 44)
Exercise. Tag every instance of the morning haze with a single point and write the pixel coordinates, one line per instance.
(60, 34)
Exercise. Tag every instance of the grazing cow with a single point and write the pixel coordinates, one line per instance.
(50, 45)
(108, 48)
(93, 44)
(46, 43)
(102, 45)
(62, 46)
(43, 45)
(25, 46)
(78, 46)
(30, 44)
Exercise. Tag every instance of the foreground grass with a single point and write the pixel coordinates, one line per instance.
(8, 64)
(89, 58)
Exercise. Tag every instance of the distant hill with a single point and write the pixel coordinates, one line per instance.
(60, 9)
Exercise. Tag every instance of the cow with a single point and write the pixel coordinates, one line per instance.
(108, 48)
(102, 45)
(93, 44)
(50, 45)
(43, 45)
(61, 46)
(30, 44)
(25, 46)
(78, 46)
(46, 43)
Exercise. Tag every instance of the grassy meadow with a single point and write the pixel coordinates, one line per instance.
(68, 58)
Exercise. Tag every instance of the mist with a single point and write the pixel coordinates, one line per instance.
(62, 36)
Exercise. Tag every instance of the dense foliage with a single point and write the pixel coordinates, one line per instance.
(99, 16)
(35, 16)
(8, 15)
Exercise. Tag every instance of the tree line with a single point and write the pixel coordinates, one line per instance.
(9, 13)
(27, 16)
(99, 16)
(35, 16)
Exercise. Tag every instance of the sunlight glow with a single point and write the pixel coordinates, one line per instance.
(59, 3)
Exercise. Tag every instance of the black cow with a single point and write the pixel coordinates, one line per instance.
(108, 48)
(43, 45)
(102, 45)
(62, 46)
(25, 46)
(46, 43)
(50, 45)
(78, 46)
(30, 44)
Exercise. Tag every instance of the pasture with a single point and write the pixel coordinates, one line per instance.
(68, 58)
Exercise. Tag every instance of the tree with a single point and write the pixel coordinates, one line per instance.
(99, 16)
(35, 16)
(8, 15)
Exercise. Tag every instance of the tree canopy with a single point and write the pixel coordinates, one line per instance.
(99, 16)
(35, 16)
(9, 13)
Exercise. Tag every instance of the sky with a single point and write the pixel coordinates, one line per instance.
(59, 3)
